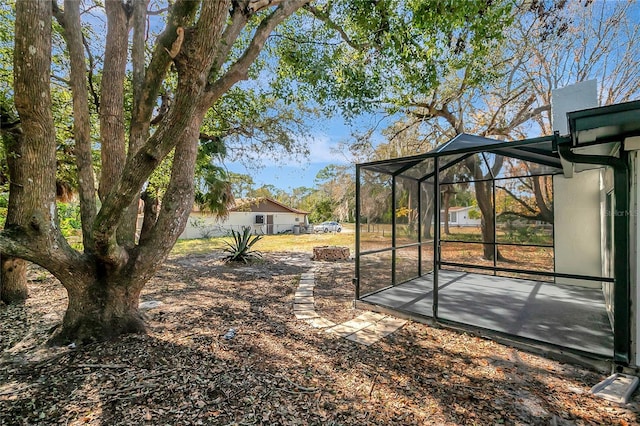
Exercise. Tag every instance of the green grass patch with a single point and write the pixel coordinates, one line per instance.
(269, 243)
(197, 246)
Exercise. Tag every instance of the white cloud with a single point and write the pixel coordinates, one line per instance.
(322, 149)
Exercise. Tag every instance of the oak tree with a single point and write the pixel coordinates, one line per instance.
(153, 103)
(206, 47)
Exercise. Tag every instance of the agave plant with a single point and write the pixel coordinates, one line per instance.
(240, 249)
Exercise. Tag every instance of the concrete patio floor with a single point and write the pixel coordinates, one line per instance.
(568, 316)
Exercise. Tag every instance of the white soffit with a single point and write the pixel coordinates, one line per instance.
(632, 143)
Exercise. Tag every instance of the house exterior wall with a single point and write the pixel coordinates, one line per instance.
(459, 217)
(572, 98)
(463, 218)
(577, 226)
(202, 225)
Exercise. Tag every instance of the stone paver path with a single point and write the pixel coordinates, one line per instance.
(365, 329)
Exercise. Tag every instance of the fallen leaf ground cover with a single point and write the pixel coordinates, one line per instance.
(276, 370)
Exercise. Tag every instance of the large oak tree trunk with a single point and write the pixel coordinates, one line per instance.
(13, 287)
(545, 204)
(13, 271)
(100, 309)
(483, 196)
(426, 224)
(427, 217)
(446, 201)
(31, 156)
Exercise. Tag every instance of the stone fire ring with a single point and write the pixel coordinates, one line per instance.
(330, 253)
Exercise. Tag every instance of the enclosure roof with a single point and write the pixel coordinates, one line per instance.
(539, 151)
(604, 124)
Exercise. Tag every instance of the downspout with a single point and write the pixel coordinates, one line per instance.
(622, 290)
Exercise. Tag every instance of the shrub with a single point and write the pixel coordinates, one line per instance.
(69, 216)
(240, 249)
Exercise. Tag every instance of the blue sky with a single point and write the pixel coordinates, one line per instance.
(287, 173)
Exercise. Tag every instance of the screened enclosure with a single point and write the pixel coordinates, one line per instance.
(475, 233)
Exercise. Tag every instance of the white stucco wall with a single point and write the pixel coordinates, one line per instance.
(575, 97)
(464, 219)
(202, 225)
(577, 226)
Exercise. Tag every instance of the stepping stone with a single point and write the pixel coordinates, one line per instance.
(303, 307)
(150, 304)
(304, 293)
(358, 323)
(320, 322)
(305, 287)
(303, 299)
(344, 330)
(308, 286)
(370, 316)
(363, 337)
(365, 329)
(306, 314)
(368, 336)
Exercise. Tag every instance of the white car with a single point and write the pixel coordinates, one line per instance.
(327, 227)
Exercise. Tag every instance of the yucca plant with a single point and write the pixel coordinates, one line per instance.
(240, 249)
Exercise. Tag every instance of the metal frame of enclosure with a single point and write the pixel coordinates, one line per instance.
(426, 174)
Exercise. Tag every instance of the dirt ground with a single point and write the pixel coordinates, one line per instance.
(276, 370)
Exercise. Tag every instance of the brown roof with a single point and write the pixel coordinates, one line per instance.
(263, 205)
(459, 208)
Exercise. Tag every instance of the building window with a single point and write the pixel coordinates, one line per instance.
(453, 217)
(260, 218)
(297, 219)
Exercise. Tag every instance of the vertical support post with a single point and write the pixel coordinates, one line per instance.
(436, 234)
(358, 216)
(419, 229)
(495, 226)
(622, 272)
(393, 230)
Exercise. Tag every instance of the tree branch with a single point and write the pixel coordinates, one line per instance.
(518, 200)
(238, 70)
(434, 112)
(521, 215)
(192, 68)
(176, 204)
(238, 20)
(81, 122)
(138, 49)
(92, 66)
(324, 17)
(181, 15)
(545, 211)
